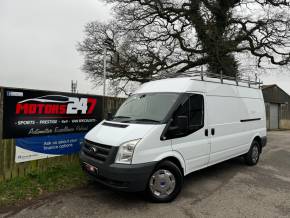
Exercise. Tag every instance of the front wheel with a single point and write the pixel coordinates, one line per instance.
(165, 183)
(253, 155)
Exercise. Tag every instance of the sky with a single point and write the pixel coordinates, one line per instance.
(38, 41)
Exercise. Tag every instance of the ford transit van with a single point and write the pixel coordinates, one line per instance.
(172, 127)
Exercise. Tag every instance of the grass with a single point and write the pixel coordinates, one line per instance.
(34, 184)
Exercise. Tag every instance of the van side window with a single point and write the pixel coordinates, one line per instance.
(196, 111)
(193, 108)
(183, 109)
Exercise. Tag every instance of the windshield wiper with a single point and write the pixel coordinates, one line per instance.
(147, 120)
(121, 117)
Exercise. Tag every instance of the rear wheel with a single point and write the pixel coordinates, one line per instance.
(165, 183)
(253, 155)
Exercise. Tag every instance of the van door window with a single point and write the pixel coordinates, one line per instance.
(193, 109)
(196, 111)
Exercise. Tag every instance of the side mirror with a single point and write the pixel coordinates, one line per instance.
(182, 122)
(109, 116)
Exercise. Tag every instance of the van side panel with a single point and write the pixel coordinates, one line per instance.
(229, 139)
(194, 148)
(237, 115)
(150, 148)
(254, 108)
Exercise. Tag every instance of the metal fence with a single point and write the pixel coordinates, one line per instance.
(10, 169)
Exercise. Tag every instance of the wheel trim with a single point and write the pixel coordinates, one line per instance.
(162, 183)
(255, 154)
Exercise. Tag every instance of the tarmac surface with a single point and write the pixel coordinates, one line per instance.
(229, 189)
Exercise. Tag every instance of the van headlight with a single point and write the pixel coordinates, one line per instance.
(125, 152)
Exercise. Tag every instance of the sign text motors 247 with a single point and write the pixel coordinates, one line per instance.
(34, 113)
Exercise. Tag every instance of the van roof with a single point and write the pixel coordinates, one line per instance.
(211, 86)
(167, 85)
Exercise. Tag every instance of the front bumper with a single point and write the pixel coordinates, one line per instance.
(131, 177)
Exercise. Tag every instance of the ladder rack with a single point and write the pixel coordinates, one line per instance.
(224, 79)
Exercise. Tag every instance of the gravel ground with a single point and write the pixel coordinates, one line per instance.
(229, 189)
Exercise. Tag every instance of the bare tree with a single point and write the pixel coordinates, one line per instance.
(158, 38)
(128, 58)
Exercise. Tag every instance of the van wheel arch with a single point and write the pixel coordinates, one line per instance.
(259, 140)
(175, 161)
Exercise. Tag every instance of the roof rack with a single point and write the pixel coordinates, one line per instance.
(224, 79)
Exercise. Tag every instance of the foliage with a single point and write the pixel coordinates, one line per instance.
(34, 184)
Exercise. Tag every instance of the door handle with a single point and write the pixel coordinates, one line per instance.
(206, 132)
(212, 131)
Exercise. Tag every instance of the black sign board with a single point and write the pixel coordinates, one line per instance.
(35, 113)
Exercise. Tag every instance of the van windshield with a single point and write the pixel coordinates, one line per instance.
(146, 108)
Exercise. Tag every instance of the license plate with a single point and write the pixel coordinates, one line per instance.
(91, 169)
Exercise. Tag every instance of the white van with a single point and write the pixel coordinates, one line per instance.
(172, 127)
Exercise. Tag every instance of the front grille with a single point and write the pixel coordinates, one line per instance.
(98, 151)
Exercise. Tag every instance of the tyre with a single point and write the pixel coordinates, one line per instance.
(253, 155)
(165, 182)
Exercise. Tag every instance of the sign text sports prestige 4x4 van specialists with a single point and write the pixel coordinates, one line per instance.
(172, 127)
